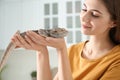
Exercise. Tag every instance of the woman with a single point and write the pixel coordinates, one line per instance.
(95, 59)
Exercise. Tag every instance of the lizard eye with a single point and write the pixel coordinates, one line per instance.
(55, 31)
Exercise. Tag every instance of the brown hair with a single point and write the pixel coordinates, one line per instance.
(113, 7)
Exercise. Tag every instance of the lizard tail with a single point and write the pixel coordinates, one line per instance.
(7, 52)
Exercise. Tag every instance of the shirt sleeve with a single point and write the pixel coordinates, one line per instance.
(113, 73)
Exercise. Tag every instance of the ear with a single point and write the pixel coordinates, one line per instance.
(113, 24)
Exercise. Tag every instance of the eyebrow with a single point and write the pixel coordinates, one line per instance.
(93, 9)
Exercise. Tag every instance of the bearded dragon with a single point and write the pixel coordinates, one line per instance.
(55, 33)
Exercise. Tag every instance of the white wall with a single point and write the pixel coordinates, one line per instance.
(21, 63)
(18, 15)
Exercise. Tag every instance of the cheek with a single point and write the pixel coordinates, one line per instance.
(101, 27)
(102, 23)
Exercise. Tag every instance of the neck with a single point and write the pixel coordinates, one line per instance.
(100, 42)
(97, 46)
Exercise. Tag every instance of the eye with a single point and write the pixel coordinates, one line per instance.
(94, 14)
(84, 10)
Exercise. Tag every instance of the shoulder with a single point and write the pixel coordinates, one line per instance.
(75, 49)
(116, 51)
(113, 68)
(117, 48)
(114, 57)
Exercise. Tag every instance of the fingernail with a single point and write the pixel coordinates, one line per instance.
(28, 32)
(18, 32)
(47, 38)
(25, 36)
(16, 35)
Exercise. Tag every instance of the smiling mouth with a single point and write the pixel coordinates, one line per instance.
(84, 26)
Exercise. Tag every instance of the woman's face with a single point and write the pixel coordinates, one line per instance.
(95, 19)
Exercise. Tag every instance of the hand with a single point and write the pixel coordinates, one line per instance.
(28, 42)
(58, 43)
(33, 40)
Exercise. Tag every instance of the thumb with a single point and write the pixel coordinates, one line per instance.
(50, 39)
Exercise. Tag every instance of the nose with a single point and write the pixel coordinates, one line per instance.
(84, 17)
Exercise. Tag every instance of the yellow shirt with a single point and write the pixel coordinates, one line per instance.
(105, 68)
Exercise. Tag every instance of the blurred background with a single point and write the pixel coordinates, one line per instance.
(35, 14)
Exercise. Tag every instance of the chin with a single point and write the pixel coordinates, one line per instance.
(85, 32)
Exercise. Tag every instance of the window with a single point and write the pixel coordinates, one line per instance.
(77, 6)
(69, 21)
(78, 36)
(55, 8)
(55, 22)
(73, 21)
(50, 15)
(69, 7)
(69, 17)
(47, 23)
(47, 9)
(77, 22)
(70, 37)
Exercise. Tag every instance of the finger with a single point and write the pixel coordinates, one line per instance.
(34, 45)
(36, 38)
(17, 32)
(17, 47)
(35, 35)
(16, 41)
(29, 40)
(22, 41)
(54, 40)
(13, 41)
